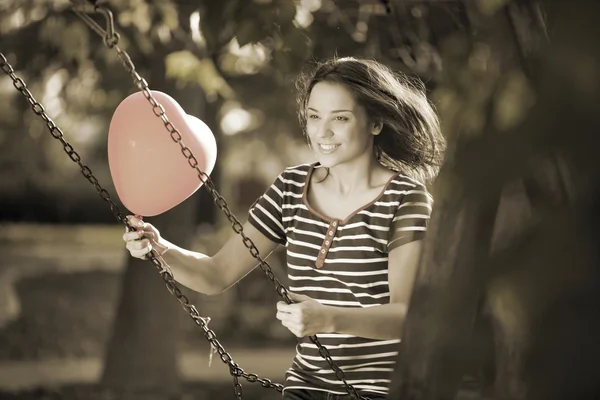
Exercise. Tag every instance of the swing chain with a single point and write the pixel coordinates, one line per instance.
(236, 225)
(164, 270)
(237, 387)
(109, 36)
(111, 41)
(234, 369)
(57, 133)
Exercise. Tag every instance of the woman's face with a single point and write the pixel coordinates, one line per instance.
(337, 126)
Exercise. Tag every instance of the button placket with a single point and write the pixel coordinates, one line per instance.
(326, 245)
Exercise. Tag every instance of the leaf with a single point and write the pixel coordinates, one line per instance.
(282, 62)
(169, 14)
(297, 42)
(249, 32)
(186, 67)
(284, 12)
(182, 65)
(217, 22)
(212, 81)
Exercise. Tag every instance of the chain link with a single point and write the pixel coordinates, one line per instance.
(222, 204)
(164, 270)
(111, 39)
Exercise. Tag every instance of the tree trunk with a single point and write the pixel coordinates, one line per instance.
(437, 348)
(142, 352)
(544, 286)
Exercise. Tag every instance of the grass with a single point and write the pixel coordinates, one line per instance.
(70, 315)
(63, 315)
(190, 391)
(67, 309)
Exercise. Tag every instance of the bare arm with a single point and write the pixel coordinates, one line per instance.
(212, 275)
(386, 321)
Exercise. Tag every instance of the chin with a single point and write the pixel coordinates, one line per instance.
(327, 162)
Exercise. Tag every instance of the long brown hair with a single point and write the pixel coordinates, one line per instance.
(411, 140)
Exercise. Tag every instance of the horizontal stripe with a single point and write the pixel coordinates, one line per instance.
(291, 182)
(264, 226)
(305, 220)
(354, 273)
(300, 206)
(408, 216)
(321, 236)
(339, 260)
(358, 357)
(343, 346)
(297, 171)
(350, 381)
(334, 290)
(376, 215)
(332, 279)
(341, 273)
(364, 224)
(292, 194)
(271, 217)
(349, 368)
(333, 249)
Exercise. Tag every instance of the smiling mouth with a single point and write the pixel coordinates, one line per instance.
(328, 147)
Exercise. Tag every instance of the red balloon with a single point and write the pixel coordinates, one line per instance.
(149, 171)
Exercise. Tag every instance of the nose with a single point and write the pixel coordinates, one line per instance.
(324, 131)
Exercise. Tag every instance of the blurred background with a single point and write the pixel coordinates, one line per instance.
(506, 302)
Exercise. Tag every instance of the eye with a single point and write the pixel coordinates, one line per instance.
(313, 116)
(341, 118)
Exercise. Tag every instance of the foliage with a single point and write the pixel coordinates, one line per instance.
(243, 54)
(236, 52)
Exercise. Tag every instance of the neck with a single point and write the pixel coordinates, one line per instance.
(355, 177)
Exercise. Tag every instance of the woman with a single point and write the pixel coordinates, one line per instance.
(352, 223)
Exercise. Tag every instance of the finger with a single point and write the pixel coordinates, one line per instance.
(135, 235)
(295, 329)
(150, 234)
(137, 244)
(284, 307)
(139, 249)
(297, 298)
(282, 316)
(291, 325)
(140, 253)
(134, 221)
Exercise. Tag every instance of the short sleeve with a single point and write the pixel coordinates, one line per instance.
(411, 218)
(266, 215)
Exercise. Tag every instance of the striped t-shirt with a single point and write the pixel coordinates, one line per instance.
(343, 264)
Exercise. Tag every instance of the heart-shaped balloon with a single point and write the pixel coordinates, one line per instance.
(149, 171)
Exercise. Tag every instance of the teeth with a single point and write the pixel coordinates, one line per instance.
(328, 146)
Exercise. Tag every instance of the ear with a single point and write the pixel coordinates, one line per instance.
(376, 127)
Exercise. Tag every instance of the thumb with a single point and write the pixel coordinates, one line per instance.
(297, 298)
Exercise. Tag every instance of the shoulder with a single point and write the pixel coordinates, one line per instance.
(296, 173)
(411, 189)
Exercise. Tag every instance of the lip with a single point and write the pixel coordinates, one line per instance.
(328, 151)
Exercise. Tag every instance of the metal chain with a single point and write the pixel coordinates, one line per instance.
(164, 270)
(111, 39)
(57, 133)
(236, 225)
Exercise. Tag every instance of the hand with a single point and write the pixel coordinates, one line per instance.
(141, 242)
(305, 317)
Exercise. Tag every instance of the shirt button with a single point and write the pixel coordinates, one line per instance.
(327, 242)
(334, 223)
(323, 251)
(330, 233)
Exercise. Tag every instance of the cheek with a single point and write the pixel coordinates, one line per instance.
(311, 128)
